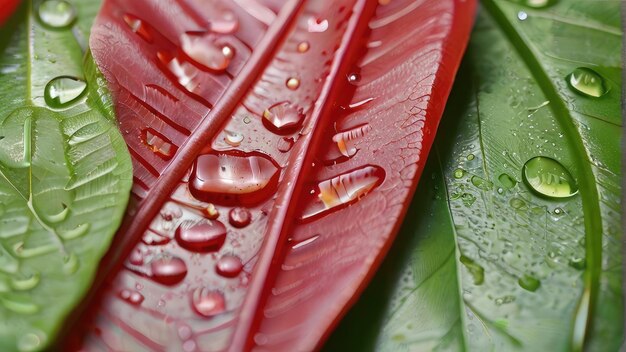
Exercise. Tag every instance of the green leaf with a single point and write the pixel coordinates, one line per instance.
(536, 273)
(65, 172)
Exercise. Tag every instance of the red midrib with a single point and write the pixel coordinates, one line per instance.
(285, 208)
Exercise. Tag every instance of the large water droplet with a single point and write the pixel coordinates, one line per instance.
(208, 303)
(343, 190)
(159, 144)
(168, 270)
(229, 266)
(63, 91)
(529, 283)
(587, 81)
(283, 117)
(203, 237)
(57, 13)
(203, 49)
(477, 271)
(239, 217)
(139, 27)
(547, 177)
(235, 178)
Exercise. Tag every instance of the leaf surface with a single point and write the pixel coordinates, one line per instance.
(65, 174)
(275, 149)
(512, 103)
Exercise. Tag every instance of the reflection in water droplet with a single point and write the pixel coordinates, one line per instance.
(159, 144)
(168, 270)
(587, 81)
(293, 83)
(31, 341)
(529, 283)
(477, 271)
(239, 217)
(283, 117)
(57, 13)
(64, 90)
(227, 23)
(139, 27)
(547, 177)
(316, 25)
(507, 181)
(229, 266)
(481, 183)
(459, 173)
(578, 263)
(303, 47)
(203, 49)
(201, 238)
(233, 178)
(346, 141)
(233, 139)
(343, 190)
(208, 303)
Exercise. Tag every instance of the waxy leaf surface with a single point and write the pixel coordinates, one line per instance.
(536, 272)
(275, 148)
(65, 173)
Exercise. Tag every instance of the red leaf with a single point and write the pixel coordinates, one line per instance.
(7, 7)
(276, 148)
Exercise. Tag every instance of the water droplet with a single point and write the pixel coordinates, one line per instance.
(285, 144)
(468, 199)
(168, 270)
(519, 204)
(203, 49)
(459, 173)
(354, 78)
(229, 266)
(558, 211)
(186, 73)
(159, 144)
(31, 341)
(303, 47)
(233, 139)
(139, 27)
(25, 284)
(477, 271)
(70, 264)
(211, 212)
(317, 25)
(346, 141)
(208, 303)
(132, 297)
(522, 16)
(136, 257)
(283, 117)
(547, 177)
(578, 263)
(154, 239)
(481, 183)
(189, 346)
(62, 91)
(234, 178)
(201, 238)
(587, 81)
(228, 51)
(471, 157)
(507, 181)
(20, 305)
(343, 190)
(529, 283)
(239, 217)
(293, 83)
(537, 4)
(57, 13)
(227, 23)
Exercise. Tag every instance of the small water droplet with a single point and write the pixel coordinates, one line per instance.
(211, 212)
(239, 217)
(62, 91)
(354, 78)
(203, 49)
(228, 51)
(189, 346)
(233, 139)
(283, 117)
(293, 83)
(227, 23)
(468, 199)
(471, 157)
(518, 204)
(132, 297)
(317, 25)
(578, 263)
(201, 238)
(303, 47)
(57, 14)
(154, 239)
(529, 283)
(477, 271)
(285, 144)
(31, 341)
(159, 144)
(481, 183)
(229, 266)
(587, 82)
(346, 141)
(168, 270)
(507, 181)
(208, 303)
(547, 177)
(522, 15)
(459, 173)
(233, 178)
(136, 257)
(139, 27)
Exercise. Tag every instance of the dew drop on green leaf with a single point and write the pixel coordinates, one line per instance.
(578, 263)
(468, 199)
(62, 91)
(459, 173)
(539, 4)
(547, 177)
(57, 13)
(481, 183)
(477, 271)
(507, 181)
(471, 157)
(517, 203)
(587, 81)
(30, 342)
(529, 283)
(70, 264)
